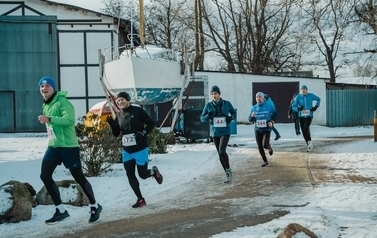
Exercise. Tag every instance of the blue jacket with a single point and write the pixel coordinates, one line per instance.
(305, 102)
(269, 101)
(293, 109)
(214, 110)
(265, 112)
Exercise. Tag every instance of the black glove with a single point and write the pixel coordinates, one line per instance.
(229, 119)
(211, 115)
(139, 135)
(300, 108)
(314, 109)
(251, 119)
(110, 121)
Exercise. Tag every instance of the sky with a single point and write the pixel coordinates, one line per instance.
(334, 209)
(94, 5)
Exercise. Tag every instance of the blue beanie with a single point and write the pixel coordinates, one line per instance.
(47, 80)
(215, 89)
(304, 87)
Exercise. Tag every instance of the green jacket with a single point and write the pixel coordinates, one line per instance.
(62, 121)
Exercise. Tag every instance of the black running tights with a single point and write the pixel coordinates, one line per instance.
(263, 141)
(305, 128)
(221, 143)
(143, 171)
(48, 168)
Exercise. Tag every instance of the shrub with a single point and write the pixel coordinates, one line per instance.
(99, 149)
(156, 142)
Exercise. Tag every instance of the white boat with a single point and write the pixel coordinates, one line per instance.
(149, 74)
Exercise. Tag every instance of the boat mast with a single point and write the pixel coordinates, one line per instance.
(141, 16)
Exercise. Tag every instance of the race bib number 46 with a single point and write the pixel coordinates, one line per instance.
(305, 112)
(261, 123)
(219, 122)
(128, 140)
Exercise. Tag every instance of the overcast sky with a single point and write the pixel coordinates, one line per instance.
(94, 5)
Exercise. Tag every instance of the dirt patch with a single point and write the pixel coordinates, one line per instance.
(249, 200)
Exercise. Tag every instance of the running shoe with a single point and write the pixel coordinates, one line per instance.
(228, 176)
(157, 175)
(140, 202)
(94, 213)
(57, 217)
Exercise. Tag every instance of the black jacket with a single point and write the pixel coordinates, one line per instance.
(130, 121)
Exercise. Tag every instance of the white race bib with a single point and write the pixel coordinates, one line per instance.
(219, 122)
(305, 112)
(128, 140)
(50, 132)
(261, 123)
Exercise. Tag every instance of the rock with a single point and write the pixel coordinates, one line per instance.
(70, 192)
(16, 202)
(294, 228)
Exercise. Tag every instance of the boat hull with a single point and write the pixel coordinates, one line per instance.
(148, 81)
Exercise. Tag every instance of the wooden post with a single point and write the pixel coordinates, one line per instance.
(375, 125)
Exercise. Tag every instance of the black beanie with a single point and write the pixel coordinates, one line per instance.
(124, 95)
(215, 89)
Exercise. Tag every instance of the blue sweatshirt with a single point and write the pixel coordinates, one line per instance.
(305, 102)
(216, 112)
(265, 112)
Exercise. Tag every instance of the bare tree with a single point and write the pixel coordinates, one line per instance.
(126, 19)
(250, 35)
(163, 25)
(366, 13)
(366, 10)
(330, 19)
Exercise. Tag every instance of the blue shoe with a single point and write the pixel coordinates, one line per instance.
(94, 213)
(57, 217)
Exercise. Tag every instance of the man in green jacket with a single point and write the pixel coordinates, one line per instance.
(63, 147)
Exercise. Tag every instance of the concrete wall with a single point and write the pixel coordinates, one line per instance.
(237, 88)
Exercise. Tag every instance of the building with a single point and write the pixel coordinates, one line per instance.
(43, 38)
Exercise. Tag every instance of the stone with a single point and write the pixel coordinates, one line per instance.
(17, 202)
(70, 192)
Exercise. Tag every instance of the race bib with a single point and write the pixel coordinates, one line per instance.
(128, 140)
(261, 123)
(219, 122)
(305, 112)
(50, 132)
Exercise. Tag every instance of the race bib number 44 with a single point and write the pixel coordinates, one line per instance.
(128, 140)
(261, 123)
(305, 112)
(219, 122)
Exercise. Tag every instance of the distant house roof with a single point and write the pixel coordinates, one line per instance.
(84, 9)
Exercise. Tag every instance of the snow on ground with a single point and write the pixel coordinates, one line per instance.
(350, 206)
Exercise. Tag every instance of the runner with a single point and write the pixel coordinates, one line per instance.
(293, 112)
(263, 115)
(269, 100)
(220, 113)
(134, 123)
(63, 147)
(304, 103)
